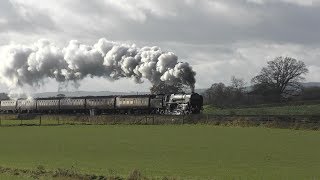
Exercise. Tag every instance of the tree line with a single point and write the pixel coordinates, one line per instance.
(279, 81)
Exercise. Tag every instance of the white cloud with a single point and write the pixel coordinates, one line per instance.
(296, 2)
(226, 11)
(313, 75)
(133, 10)
(3, 21)
(217, 63)
(219, 38)
(139, 9)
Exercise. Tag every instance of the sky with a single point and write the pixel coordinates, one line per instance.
(218, 38)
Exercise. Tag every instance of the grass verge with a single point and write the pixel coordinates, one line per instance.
(313, 109)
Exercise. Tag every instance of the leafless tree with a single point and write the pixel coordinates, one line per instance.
(281, 78)
(237, 83)
(217, 95)
(222, 96)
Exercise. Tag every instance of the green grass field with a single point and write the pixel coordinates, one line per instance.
(313, 109)
(185, 152)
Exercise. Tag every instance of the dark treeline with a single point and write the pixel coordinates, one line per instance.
(223, 96)
(4, 96)
(278, 82)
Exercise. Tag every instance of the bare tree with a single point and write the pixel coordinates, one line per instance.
(238, 90)
(164, 88)
(280, 78)
(237, 83)
(217, 95)
(222, 96)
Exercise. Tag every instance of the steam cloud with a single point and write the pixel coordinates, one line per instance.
(30, 65)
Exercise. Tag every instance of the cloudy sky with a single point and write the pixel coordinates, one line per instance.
(219, 38)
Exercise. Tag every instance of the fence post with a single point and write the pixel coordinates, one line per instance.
(58, 120)
(0, 121)
(40, 121)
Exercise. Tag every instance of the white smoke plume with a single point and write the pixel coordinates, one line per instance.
(30, 65)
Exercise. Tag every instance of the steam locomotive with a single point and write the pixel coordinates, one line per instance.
(177, 104)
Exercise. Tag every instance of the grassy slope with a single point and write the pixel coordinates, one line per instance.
(179, 151)
(280, 110)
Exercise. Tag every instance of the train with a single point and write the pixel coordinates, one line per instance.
(176, 104)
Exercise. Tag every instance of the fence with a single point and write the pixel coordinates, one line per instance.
(298, 121)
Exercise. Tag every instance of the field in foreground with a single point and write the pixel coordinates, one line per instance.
(186, 152)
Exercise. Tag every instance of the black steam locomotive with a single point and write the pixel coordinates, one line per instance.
(178, 104)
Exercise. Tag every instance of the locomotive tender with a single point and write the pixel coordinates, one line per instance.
(178, 104)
